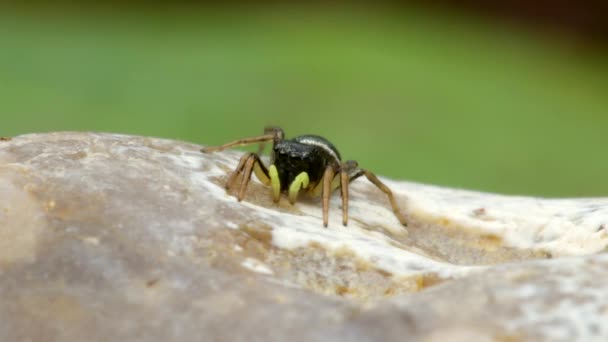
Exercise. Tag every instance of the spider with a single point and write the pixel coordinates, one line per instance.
(307, 163)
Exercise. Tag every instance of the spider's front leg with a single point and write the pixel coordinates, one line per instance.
(273, 134)
(251, 163)
(277, 133)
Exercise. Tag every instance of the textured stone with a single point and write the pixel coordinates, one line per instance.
(112, 237)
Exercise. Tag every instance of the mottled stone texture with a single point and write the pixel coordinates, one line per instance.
(112, 238)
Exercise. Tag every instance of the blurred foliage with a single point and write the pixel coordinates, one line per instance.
(423, 96)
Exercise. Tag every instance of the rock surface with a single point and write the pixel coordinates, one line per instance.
(111, 237)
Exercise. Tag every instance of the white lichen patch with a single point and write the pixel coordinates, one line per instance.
(292, 231)
(21, 223)
(91, 240)
(256, 265)
(574, 301)
(372, 247)
(559, 226)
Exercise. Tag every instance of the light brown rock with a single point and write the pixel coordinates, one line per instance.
(110, 237)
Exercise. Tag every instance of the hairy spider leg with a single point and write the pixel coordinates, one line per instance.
(274, 134)
(278, 134)
(317, 189)
(240, 142)
(328, 183)
(247, 169)
(250, 162)
(234, 175)
(300, 182)
(340, 180)
(346, 169)
(374, 180)
(344, 187)
(328, 176)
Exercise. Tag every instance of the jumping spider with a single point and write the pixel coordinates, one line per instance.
(307, 162)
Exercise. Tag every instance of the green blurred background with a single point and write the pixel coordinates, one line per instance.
(428, 95)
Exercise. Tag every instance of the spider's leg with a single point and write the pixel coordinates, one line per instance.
(317, 190)
(270, 134)
(240, 142)
(300, 182)
(233, 176)
(328, 176)
(344, 187)
(278, 133)
(247, 169)
(372, 178)
(249, 163)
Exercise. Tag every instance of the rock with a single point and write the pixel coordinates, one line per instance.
(113, 237)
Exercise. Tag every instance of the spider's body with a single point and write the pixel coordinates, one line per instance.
(307, 163)
(306, 153)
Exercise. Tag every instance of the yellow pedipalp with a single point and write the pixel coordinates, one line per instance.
(257, 169)
(275, 182)
(300, 182)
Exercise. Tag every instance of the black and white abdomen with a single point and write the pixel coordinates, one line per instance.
(320, 142)
(306, 153)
